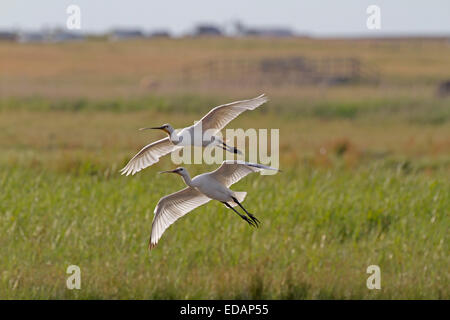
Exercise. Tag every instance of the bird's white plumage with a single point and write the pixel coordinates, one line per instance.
(172, 207)
(148, 155)
(201, 189)
(220, 116)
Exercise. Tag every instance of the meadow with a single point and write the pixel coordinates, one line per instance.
(365, 181)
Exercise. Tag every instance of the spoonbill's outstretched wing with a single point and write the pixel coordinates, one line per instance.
(148, 155)
(231, 171)
(220, 116)
(172, 207)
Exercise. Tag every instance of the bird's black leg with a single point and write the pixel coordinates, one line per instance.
(250, 222)
(255, 220)
(230, 149)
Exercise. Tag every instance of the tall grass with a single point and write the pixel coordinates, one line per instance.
(320, 230)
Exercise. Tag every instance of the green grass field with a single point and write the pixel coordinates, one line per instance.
(365, 181)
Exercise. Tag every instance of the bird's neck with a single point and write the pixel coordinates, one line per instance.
(173, 137)
(187, 179)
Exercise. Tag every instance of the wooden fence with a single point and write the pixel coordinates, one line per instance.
(280, 72)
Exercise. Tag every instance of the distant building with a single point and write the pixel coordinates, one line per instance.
(8, 36)
(61, 35)
(269, 32)
(159, 34)
(263, 32)
(122, 34)
(24, 37)
(49, 35)
(207, 30)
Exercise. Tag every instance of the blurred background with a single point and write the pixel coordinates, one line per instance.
(363, 115)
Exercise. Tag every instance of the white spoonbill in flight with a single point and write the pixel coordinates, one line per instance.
(201, 189)
(214, 121)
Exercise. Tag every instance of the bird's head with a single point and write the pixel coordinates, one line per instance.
(181, 171)
(167, 128)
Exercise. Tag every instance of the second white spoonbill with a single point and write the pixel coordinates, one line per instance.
(201, 189)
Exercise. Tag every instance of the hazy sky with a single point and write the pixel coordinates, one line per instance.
(315, 17)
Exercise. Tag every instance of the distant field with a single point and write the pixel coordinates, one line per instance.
(366, 175)
(125, 69)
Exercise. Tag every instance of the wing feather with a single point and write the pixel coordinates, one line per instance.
(220, 116)
(172, 207)
(148, 155)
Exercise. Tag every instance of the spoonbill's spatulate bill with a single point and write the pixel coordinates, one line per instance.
(214, 121)
(200, 189)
